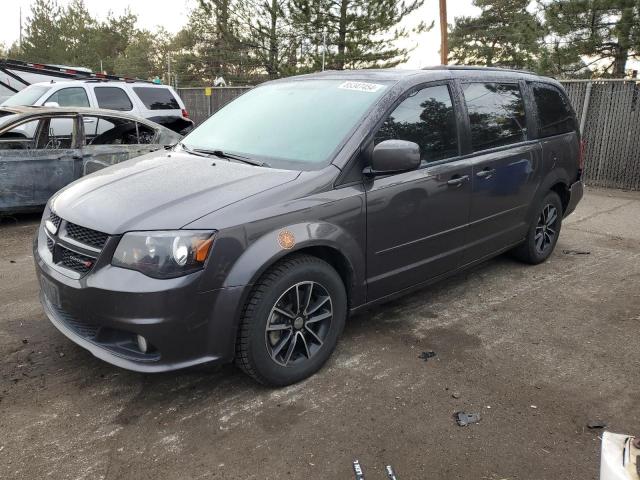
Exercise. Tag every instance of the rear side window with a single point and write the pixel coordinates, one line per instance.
(496, 114)
(157, 98)
(113, 98)
(70, 97)
(426, 118)
(555, 115)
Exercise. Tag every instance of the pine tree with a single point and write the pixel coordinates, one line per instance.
(504, 34)
(606, 32)
(358, 33)
(43, 40)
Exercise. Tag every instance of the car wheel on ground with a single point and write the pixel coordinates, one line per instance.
(543, 232)
(292, 321)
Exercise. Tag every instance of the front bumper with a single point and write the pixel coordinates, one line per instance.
(105, 310)
(576, 191)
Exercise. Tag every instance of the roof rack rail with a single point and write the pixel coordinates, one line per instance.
(476, 67)
(60, 71)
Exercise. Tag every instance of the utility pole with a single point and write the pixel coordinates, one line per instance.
(20, 29)
(324, 46)
(444, 39)
(169, 68)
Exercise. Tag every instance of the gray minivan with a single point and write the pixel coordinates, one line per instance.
(302, 201)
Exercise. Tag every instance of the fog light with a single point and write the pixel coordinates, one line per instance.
(142, 344)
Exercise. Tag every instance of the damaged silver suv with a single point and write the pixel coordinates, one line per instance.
(302, 201)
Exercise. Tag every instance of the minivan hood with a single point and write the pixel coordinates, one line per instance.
(161, 191)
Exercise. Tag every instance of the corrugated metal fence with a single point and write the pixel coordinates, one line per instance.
(610, 123)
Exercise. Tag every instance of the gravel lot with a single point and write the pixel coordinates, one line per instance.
(538, 351)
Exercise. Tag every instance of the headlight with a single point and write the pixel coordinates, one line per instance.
(163, 254)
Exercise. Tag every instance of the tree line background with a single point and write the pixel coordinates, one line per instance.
(249, 41)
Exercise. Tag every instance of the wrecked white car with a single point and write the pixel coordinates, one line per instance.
(44, 149)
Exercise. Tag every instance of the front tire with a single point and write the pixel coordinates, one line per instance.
(543, 232)
(292, 321)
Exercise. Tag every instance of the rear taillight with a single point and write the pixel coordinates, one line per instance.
(583, 144)
(185, 114)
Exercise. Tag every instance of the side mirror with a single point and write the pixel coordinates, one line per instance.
(394, 156)
(52, 104)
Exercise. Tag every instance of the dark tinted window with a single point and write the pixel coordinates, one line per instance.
(157, 98)
(426, 118)
(70, 97)
(113, 98)
(555, 115)
(496, 114)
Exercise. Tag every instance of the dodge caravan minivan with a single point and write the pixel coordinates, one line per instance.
(302, 201)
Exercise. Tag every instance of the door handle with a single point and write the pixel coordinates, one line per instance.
(457, 181)
(486, 173)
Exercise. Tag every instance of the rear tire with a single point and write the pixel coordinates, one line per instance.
(292, 321)
(543, 232)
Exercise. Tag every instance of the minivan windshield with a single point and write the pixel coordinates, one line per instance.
(26, 96)
(295, 124)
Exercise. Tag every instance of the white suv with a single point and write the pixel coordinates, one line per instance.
(158, 103)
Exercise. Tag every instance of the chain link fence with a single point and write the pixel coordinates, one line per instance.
(608, 112)
(201, 106)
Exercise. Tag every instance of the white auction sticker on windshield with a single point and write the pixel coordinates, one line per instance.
(361, 86)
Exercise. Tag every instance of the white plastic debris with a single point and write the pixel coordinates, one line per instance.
(619, 457)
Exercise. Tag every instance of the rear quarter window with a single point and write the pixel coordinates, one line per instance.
(113, 98)
(555, 115)
(496, 114)
(157, 98)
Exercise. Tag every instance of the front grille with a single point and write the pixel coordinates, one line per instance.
(72, 246)
(55, 219)
(74, 261)
(85, 235)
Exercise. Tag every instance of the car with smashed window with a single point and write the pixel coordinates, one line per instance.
(303, 201)
(44, 149)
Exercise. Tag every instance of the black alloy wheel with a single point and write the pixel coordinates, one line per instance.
(546, 229)
(292, 320)
(298, 323)
(543, 232)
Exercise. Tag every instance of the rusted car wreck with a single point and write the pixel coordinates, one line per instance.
(44, 149)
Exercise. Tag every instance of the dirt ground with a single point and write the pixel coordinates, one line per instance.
(538, 351)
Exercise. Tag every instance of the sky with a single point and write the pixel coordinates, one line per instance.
(172, 15)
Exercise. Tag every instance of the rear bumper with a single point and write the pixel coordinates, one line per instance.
(104, 312)
(576, 191)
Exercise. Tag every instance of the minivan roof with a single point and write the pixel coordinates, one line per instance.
(432, 73)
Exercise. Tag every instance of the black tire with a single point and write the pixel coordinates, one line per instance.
(262, 354)
(532, 250)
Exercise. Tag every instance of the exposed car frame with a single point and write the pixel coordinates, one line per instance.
(30, 175)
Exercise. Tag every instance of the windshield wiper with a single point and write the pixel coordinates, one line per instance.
(203, 152)
(231, 156)
(191, 151)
